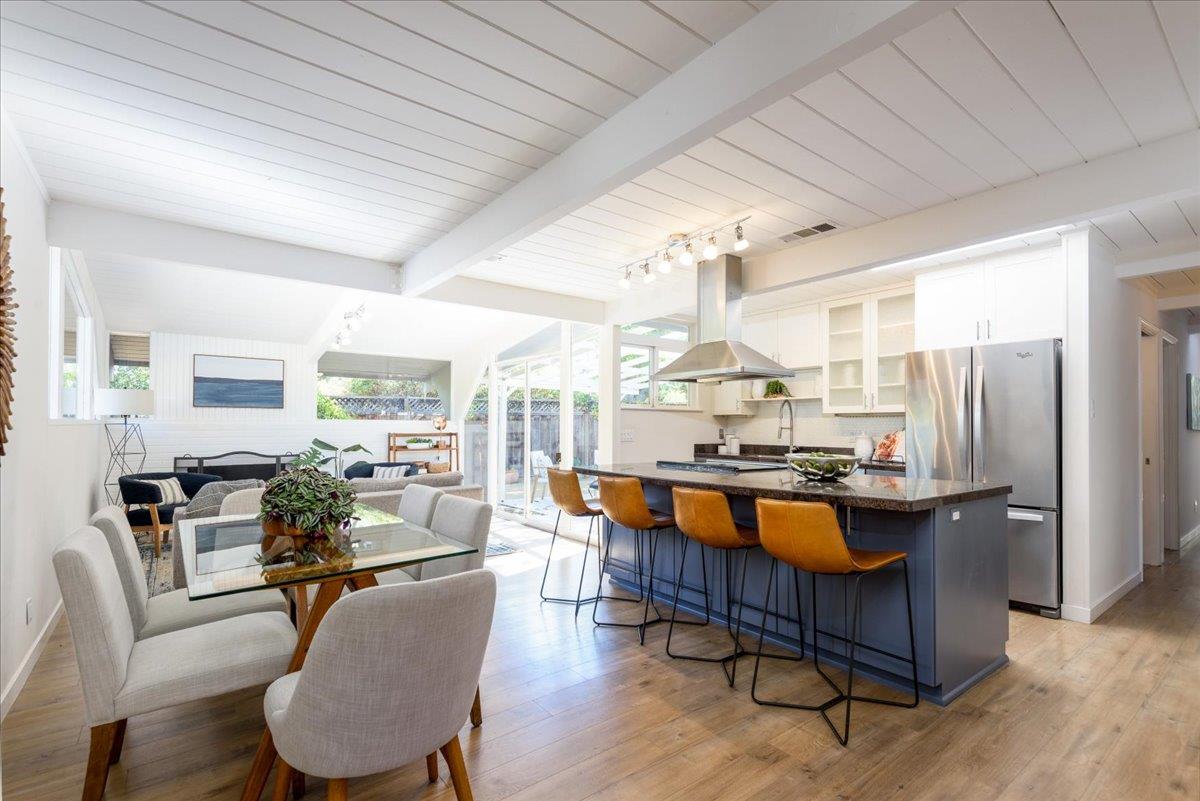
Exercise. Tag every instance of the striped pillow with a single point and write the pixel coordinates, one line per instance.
(399, 471)
(172, 492)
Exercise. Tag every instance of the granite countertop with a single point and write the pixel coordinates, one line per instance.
(897, 494)
(777, 453)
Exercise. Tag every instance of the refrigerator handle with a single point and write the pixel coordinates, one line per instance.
(962, 415)
(977, 425)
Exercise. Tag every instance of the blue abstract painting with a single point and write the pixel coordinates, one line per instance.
(237, 381)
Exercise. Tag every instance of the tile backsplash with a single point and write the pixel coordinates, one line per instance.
(812, 427)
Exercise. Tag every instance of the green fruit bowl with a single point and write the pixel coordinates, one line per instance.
(822, 466)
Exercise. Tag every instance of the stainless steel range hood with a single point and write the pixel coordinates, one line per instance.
(721, 355)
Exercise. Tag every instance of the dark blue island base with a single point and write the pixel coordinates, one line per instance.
(958, 567)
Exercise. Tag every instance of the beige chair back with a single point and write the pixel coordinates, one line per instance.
(243, 502)
(122, 544)
(101, 627)
(389, 678)
(464, 520)
(418, 503)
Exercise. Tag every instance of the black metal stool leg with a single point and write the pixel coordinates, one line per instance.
(600, 596)
(578, 600)
(759, 656)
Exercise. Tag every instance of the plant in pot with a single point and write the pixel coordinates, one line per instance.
(419, 442)
(776, 389)
(302, 510)
(315, 456)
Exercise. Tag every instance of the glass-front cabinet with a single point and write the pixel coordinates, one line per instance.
(864, 340)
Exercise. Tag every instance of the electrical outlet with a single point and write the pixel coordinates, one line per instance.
(28, 611)
(626, 435)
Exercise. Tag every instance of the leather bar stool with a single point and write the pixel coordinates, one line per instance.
(807, 537)
(568, 497)
(624, 504)
(705, 517)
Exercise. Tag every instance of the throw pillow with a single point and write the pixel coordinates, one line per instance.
(398, 471)
(207, 502)
(172, 492)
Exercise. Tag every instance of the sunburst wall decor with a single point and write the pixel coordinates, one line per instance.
(8, 329)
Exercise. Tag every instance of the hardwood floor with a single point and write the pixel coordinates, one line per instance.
(1082, 713)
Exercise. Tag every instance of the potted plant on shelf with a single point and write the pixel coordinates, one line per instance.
(776, 389)
(315, 455)
(302, 511)
(419, 442)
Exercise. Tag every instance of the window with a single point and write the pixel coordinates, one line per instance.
(357, 386)
(646, 348)
(129, 361)
(72, 350)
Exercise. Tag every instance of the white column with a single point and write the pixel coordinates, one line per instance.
(566, 405)
(610, 392)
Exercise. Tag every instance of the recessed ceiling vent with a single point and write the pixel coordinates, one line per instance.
(806, 233)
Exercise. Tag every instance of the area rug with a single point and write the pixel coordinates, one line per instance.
(500, 549)
(159, 576)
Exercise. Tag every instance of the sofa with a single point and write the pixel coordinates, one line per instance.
(144, 507)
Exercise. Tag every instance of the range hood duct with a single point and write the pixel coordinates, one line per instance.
(721, 355)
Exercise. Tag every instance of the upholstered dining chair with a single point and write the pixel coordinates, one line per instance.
(148, 510)
(371, 698)
(417, 504)
(242, 502)
(169, 611)
(123, 676)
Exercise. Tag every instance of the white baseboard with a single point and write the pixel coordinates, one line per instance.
(1086, 614)
(1189, 538)
(17, 683)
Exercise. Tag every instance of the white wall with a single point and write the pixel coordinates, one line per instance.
(654, 434)
(179, 429)
(50, 475)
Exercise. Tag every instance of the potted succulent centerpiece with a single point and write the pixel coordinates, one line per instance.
(303, 510)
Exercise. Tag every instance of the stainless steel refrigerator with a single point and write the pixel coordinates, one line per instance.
(993, 413)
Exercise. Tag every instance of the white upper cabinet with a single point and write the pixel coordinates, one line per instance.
(790, 336)
(865, 339)
(1007, 298)
(800, 337)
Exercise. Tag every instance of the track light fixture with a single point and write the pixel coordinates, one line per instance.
(686, 258)
(740, 242)
(662, 261)
(352, 321)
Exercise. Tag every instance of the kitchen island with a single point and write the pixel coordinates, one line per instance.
(955, 533)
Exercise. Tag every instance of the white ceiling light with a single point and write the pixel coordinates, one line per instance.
(664, 262)
(648, 275)
(968, 248)
(623, 282)
(710, 250)
(686, 258)
(739, 243)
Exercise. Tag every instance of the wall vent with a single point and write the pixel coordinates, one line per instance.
(806, 233)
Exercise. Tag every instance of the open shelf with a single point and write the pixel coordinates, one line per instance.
(775, 400)
(846, 386)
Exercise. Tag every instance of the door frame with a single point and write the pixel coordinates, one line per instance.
(1146, 329)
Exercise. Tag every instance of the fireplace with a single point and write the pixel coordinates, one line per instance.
(236, 465)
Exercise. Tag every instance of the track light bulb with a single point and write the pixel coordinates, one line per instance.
(648, 275)
(664, 262)
(686, 258)
(624, 280)
(739, 243)
(710, 250)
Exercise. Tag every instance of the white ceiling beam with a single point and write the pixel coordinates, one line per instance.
(1168, 169)
(1173, 302)
(782, 49)
(89, 228)
(1166, 257)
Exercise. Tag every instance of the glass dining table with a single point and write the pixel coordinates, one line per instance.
(224, 555)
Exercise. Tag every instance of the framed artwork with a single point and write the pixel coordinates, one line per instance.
(237, 382)
(1193, 402)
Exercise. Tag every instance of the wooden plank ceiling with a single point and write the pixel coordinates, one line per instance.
(373, 128)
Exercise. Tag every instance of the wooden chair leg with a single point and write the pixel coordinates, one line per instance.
(99, 758)
(338, 790)
(118, 742)
(298, 785)
(283, 780)
(153, 507)
(452, 752)
(431, 766)
(264, 758)
(476, 710)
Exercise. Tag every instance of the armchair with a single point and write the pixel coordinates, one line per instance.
(152, 514)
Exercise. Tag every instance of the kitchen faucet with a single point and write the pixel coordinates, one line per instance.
(787, 404)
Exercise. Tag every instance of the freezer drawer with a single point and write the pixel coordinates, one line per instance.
(1034, 573)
